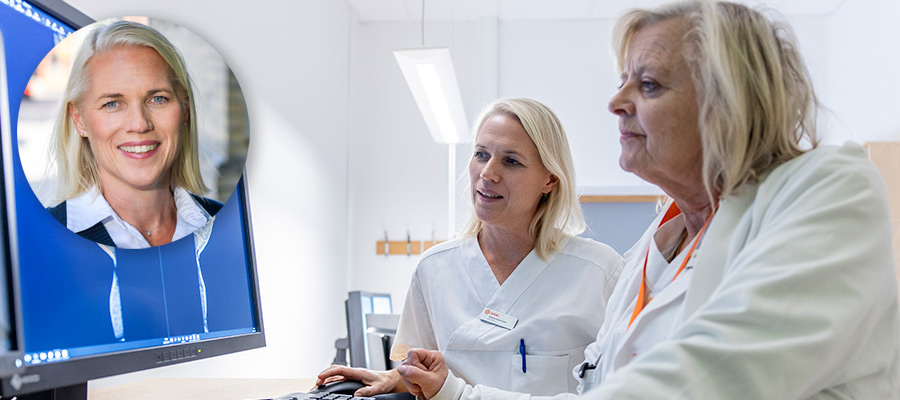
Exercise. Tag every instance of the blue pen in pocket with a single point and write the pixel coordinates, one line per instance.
(522, 352)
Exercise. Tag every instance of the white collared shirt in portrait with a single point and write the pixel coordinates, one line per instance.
(89, 208)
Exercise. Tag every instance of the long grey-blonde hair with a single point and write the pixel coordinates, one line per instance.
(558, 214)
(757, 106)
(75, 162)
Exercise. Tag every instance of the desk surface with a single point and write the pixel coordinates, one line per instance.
(201, 388)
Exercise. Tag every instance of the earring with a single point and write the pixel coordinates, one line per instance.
(83, 134)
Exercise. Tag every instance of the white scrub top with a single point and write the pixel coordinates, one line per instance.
(559, 305)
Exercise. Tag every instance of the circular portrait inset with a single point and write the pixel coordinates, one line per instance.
(133, 132)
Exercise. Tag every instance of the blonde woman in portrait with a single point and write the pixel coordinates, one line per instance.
(125, 142)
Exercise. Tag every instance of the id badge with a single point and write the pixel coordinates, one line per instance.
(495, 317)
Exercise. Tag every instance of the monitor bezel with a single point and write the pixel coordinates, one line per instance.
(79, 371)
(11, 360)
(64, 12)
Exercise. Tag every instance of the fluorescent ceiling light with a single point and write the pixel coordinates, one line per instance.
(432, 80)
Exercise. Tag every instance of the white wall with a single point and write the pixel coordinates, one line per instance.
(291, 59)
(862, 58)
(398, 174)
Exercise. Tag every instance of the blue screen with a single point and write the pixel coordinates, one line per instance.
(79, 298)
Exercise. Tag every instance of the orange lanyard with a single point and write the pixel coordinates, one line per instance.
(672, 212)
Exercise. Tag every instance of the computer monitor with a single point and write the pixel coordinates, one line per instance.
(90, 311)
(358, 305)
(380, 332)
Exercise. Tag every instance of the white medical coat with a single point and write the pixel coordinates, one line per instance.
(559, 304)
(793, 296)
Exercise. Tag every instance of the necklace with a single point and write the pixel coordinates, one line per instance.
(150, 231)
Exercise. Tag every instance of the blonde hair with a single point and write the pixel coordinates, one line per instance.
(75, 162)
(558, 214)
(756, 102)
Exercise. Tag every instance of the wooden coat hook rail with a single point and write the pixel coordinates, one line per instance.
(406, 247)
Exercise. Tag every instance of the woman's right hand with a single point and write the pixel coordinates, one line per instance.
(377, 382)
(424, 372)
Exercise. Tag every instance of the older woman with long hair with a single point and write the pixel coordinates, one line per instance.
(493, 300)
(769, 275)
(125, 142)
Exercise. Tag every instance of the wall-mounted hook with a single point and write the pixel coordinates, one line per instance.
(409, 244)
(398, 247)
(430, 243)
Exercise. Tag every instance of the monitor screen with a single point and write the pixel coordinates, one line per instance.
(10, 341)
(90, 310)
(358, 305)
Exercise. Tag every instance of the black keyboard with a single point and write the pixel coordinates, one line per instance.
(335, 396)
(321, 396)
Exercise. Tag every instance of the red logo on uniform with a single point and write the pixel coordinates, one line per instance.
(487, 312)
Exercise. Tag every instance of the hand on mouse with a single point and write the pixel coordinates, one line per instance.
(377, 382)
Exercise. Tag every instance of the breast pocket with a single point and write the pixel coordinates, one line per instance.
(545, 375)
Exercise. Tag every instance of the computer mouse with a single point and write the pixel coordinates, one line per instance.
(339, 387)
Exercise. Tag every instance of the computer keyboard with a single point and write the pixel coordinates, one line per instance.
(321, 396)
(335, 396)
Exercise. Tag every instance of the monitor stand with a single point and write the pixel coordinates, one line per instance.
(74, 392)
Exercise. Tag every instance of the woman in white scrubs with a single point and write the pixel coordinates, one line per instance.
(770, 273)
(497, 301)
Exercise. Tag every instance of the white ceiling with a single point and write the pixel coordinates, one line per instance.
(466, 10)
